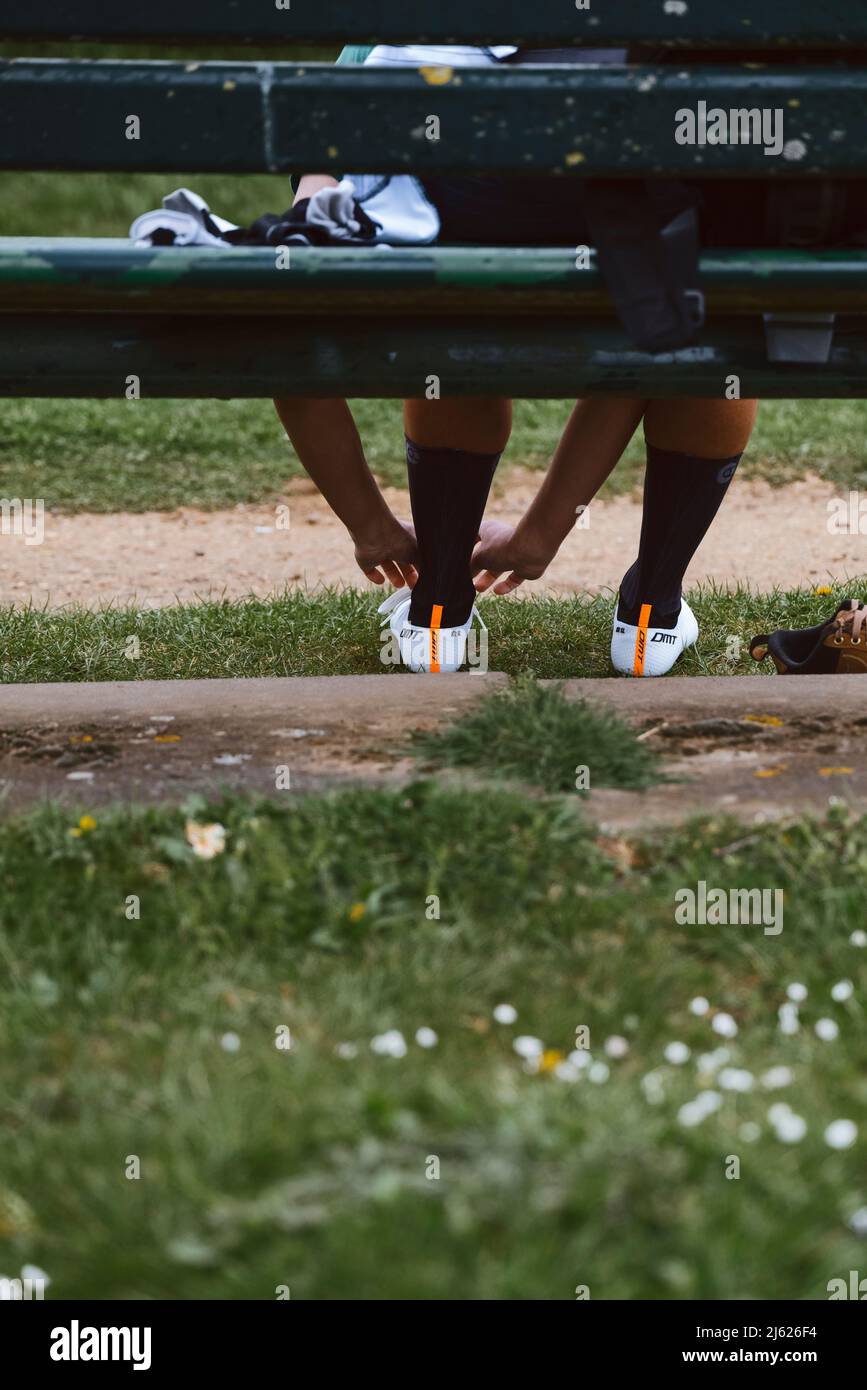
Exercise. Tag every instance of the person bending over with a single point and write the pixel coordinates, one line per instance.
(453, 447)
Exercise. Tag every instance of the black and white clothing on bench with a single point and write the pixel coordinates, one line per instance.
(647, 232)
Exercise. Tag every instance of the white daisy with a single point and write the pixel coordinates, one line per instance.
(725, 1025)
(858, 1221)
(567, 1071)
(653, 1088)
(206, 841)
(790, 1128)
(389, 1044)
(735, 1079)
(827, 1029)
(778, 1112)
(776, 1077)
(789, 1021)
(712, 1061)
(841, 1134)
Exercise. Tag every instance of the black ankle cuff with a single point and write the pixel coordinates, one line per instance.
(631, 613)
(424, 612)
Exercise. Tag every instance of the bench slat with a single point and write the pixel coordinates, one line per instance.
(45, 275)
(447, 21)
(231, 117)
(91, 356)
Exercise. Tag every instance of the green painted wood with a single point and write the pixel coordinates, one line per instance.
(56, 275)
(93, 356)
(446, 21)
(249, 117)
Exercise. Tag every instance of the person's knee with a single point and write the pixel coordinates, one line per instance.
(476, 424)
(704, 428)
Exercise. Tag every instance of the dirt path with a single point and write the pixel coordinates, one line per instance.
(751, 748)
(764, 536)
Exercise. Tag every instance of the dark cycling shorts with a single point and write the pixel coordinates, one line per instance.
(547, 210)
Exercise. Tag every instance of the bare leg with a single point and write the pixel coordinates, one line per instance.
(709, 429)
(477, 424)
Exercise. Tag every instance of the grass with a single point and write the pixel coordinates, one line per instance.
(262, 1167)
(311, 1168)
(337, 633)
(105, 456)
(531, 733)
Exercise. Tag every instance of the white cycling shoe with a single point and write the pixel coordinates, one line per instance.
(434, 650)
(640, 650)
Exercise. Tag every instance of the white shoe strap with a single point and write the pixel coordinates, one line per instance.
(394, 599)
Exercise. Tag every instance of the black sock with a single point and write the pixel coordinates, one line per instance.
(682, 495)
(448, 489)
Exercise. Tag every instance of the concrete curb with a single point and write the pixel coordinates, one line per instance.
(310, 697)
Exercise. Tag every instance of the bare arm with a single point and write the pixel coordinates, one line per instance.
(310, 184)
(328, 444)
(592, 443)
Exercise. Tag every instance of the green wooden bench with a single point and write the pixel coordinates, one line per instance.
(79, 317)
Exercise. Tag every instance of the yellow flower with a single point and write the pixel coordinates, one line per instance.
(85, 825)
(356, 912)
(823, 589)
(550, 1059)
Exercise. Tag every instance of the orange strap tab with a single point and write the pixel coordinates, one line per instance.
(435, 621)
(641, 638)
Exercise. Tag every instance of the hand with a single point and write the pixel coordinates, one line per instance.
(389, 553)
(502, 551)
